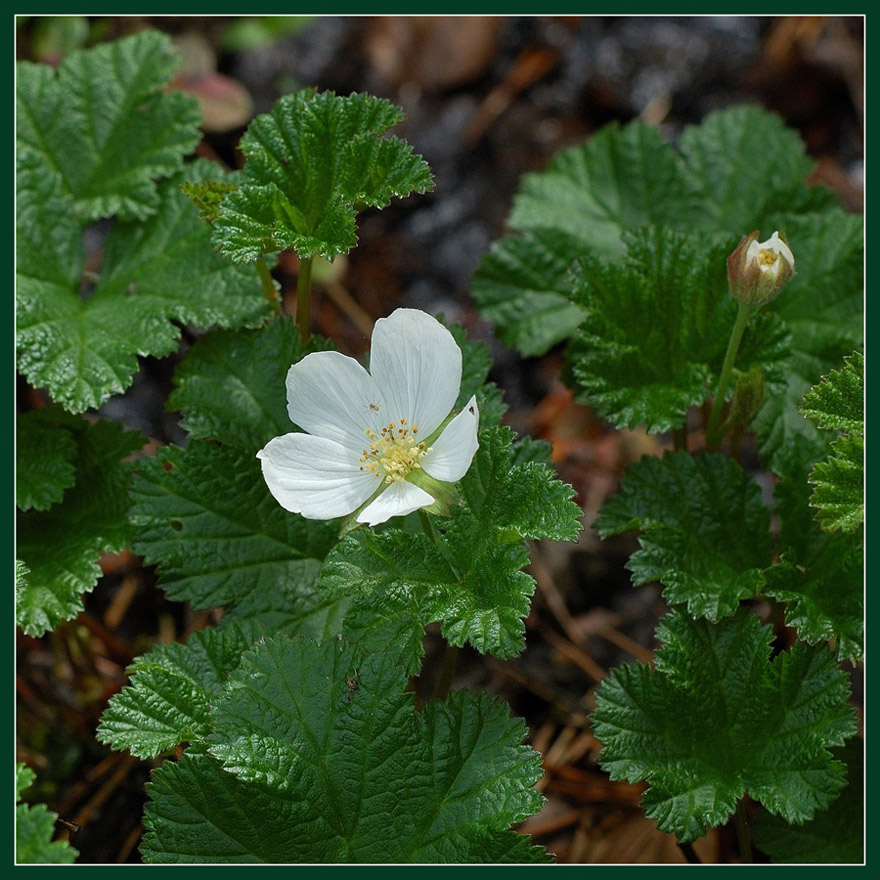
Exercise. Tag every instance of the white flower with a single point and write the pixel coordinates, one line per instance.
(758, 270)
(374, 439)
(767, 254)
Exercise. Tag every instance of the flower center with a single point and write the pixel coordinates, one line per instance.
(767, 257)
(394, 453)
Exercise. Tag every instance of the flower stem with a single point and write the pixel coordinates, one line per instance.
(689, 853)
(447, 672)
(743, 835)
(304, 298)
(269, 290)
(713, 437)
(680, 438)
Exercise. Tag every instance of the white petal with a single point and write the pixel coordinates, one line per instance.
(453, 451)
(417, 364)
(778, 245)
(315, 477)
(330, 395)
(398, 499)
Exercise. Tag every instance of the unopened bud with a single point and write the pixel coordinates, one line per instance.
(758, 270)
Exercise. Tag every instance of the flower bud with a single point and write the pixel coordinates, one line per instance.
(758, 270)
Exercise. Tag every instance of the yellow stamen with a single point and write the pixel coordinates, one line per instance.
(766, 257)
(394, 454)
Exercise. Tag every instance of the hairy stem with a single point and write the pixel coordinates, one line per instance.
(713, 436)
(690, 854)
(680, 439)
(743, 834)
(447, 672)
(304, 298)
(269, 289)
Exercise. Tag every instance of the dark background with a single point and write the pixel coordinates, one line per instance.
(486, 100)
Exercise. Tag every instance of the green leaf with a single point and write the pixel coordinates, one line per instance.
(35, 827)
(301, 608)
(172, 688)
(729, 173)
(839, 485)
(322, 759)
(105, 126)
(656, 329)
(837, 402)
(24, 778)
(823, 304)
(823, 308)
(525, 498)
(822, 592)
(205, 516)
(154, 273)
(832, 836)
(742, 164)
(787, 441)
(705, 531)
(621, 178)
(476, 362)
(49, 239)
(168, 700)
(21, 579)
(62, 545)
(781, 717)
(630, 359)
(44, 463)
(527, 448)
(739, 170)
(820, 576)
(467, 573)
(522, 286)
(312, 163)
(207, 195)
(231, 387)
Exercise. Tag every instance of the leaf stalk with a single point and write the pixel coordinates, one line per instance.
(713, 435)
(269, 289)
(447, 672)
(304, 298)
(743, 834)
